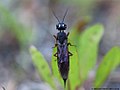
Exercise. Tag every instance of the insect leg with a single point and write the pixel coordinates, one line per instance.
(68, 34)
(55, 37)
(55, 54)
(55, 46)
(55, 41)
(70, 54)
(70, 44)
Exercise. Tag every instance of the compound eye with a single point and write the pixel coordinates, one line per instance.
(63, 25)
(59, 25)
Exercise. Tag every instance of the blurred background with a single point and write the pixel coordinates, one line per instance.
(30, 22)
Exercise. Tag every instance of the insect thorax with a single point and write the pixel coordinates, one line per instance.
(61, 37)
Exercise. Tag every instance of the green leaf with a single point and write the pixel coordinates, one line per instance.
(42, 66)
(73, 37)
(108, 64)
(74, 73)
(88, 49)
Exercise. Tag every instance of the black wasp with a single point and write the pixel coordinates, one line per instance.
(62, 44)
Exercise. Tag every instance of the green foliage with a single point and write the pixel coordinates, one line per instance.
(42, 66)
(83, 60)
(108, 64)
(88, 49)
(8, 22)
(74, 73)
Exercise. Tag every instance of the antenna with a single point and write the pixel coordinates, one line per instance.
(64, 15)
(55, 16)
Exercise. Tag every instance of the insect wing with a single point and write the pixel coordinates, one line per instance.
(63, 62)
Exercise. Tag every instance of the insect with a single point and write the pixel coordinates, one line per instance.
(62, 44)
